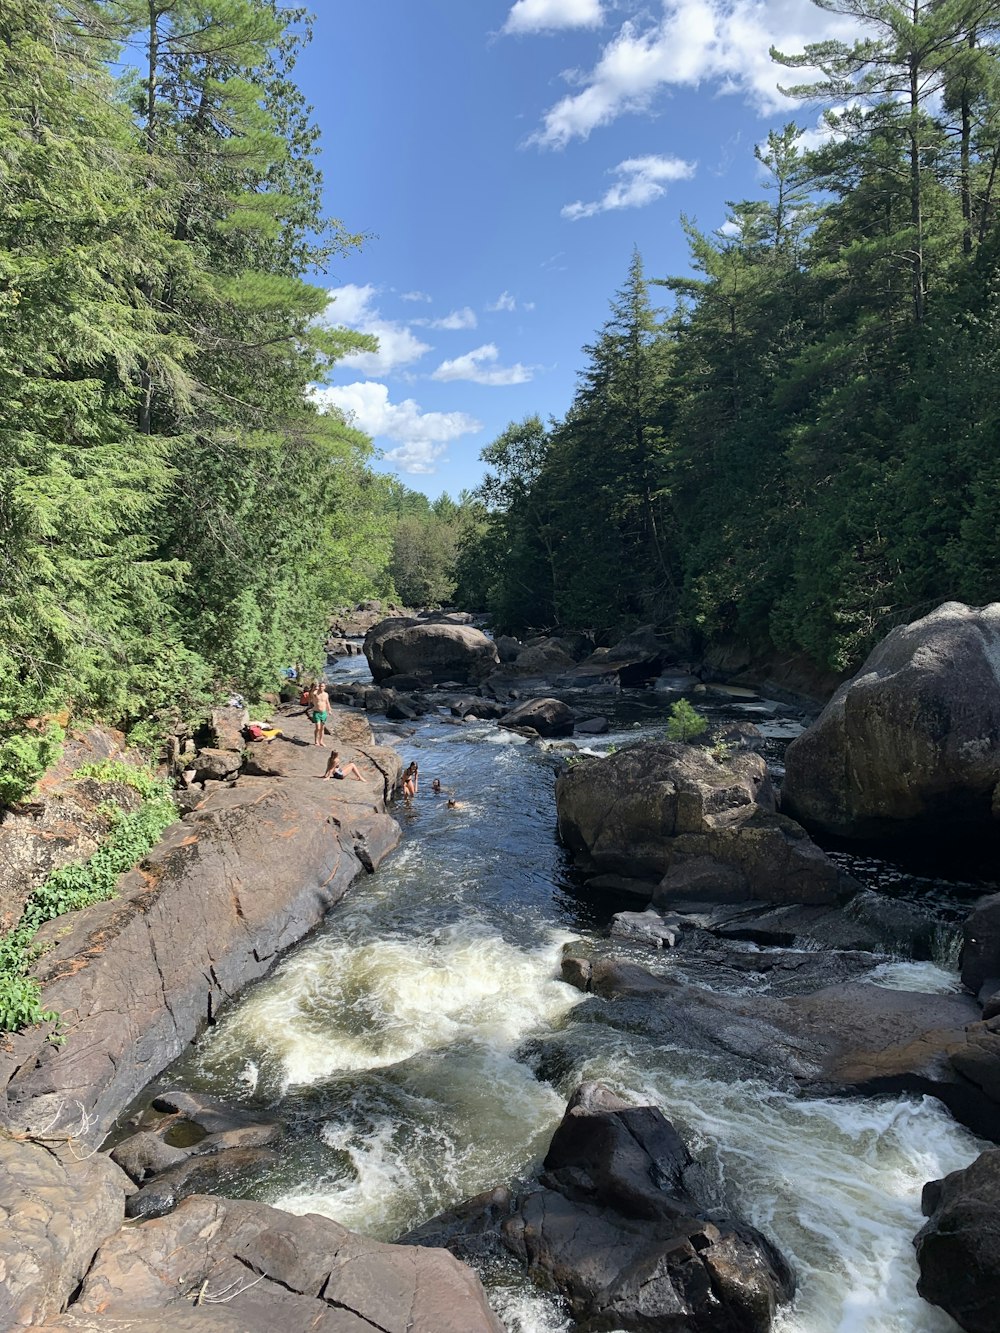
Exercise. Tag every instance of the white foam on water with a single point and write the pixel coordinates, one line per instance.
(339, 1005)
(835, 1183)
(524, 1311)
(927, 978)
(465, 1129)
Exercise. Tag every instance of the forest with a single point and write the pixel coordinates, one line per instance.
(791, 446)
(795, 446)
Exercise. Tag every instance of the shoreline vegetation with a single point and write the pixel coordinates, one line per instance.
(790, 457)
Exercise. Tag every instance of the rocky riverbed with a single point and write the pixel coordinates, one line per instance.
(704, 960)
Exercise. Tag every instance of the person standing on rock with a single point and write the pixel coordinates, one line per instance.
(320, 710)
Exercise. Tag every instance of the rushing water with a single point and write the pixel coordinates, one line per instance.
(421, 1048)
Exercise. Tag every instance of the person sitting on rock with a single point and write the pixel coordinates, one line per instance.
(335, 770)
(411, 780)
(320, 709)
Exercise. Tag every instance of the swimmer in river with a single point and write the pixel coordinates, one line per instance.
(411, 780)
(436, 786)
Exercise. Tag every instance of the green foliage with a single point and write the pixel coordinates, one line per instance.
(24, 757)
(141, 779)
(72, 887)
(801, 454)
(685, 722)
(176, 516)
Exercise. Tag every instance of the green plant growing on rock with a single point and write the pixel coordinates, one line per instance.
(80, 884)
(685, 722)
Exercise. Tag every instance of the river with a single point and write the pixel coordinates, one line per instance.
(421, 1048)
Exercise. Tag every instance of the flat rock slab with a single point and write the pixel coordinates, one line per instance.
(266, 1270)
(228, 888)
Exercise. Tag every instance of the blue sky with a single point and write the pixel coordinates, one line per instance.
(504, 159)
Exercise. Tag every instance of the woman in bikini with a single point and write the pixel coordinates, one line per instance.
(335, 770)
(411, 780)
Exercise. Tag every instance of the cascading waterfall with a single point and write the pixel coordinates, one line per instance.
(420, 1048)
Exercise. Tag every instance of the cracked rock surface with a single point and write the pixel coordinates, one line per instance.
(223, 1264)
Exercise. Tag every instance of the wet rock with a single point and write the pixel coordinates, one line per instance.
(508, 647)
(576, 971)
(548, 717)
(635, 660)
(767, 856)
(407, 682)
(268, 1270)
(474, 705)
(211, 1173)
(402, 710)
(648, 928)
(145, 1154)
(981, 943)
(958, 1250)
(444, 650)
(911, 744)
(622, 1225)
(636, 888)
(847, 1037)
(594, 726)
(54, 1215)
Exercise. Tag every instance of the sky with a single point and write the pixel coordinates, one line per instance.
(504, 158)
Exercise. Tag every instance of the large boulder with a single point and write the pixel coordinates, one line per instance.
(549, 717)
(981, 945)
(53, 1217)
(704, 828)
(958, 1249)
(271, 1270)
(634, 660)
(911, 744)
(622, 1225)
(444, 650)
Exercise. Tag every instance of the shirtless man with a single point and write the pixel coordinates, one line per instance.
(320, 709)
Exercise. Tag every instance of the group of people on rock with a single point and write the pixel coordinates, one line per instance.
(315, 699)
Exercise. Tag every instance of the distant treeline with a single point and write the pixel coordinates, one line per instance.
(176, 517)
(802, 449)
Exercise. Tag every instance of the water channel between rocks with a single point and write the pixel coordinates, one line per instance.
(420, 1048)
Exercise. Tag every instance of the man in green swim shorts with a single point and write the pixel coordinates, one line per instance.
(320, 709)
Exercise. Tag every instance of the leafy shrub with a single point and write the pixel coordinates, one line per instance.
(78, 885)
(24, 758)
(685, 722)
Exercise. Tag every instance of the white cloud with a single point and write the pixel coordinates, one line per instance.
(726, 42)
(478, 367)
(503, 302)
(458, 319)
(353, 307)
(414, 296)
(423, 436)
(641, 182)
(548, 15)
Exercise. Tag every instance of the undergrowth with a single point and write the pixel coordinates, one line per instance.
(80, 884)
